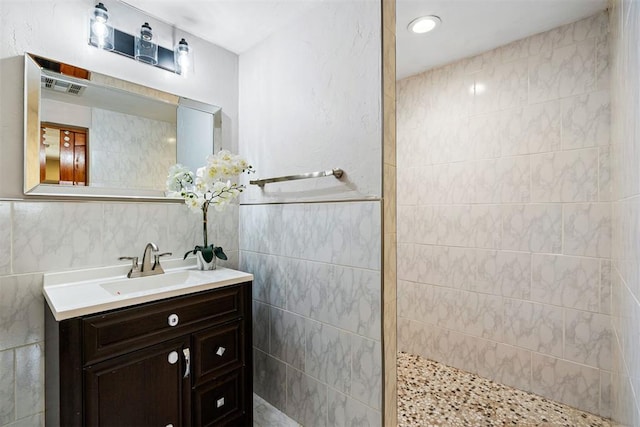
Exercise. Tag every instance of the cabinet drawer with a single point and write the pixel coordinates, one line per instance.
(217, 350)
(118, 332)
(220, 402)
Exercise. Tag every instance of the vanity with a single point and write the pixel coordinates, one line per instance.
(166, 350)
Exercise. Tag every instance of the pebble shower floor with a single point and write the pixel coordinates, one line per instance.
(431, 394)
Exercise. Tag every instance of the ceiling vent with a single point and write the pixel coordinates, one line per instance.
(58, 84)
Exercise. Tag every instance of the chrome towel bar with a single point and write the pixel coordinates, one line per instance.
(331, 172)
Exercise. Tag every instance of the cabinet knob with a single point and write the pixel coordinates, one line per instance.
(173, 357)
(220, 402)
(169, 425)
(173, 320)
(220, 351)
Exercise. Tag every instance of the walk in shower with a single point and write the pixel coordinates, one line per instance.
(505, 227)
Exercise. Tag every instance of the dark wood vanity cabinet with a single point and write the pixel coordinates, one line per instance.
(183, 361)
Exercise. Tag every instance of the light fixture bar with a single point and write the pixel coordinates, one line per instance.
(124, 44)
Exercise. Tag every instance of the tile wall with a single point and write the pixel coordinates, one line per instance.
(316, 308)
(37, 237)
(625, 296)
(504, 215)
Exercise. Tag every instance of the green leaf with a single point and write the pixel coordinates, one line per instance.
(193, 251)
(220, 253)
(207, 253)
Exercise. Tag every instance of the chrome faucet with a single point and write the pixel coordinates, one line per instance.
(146, 269)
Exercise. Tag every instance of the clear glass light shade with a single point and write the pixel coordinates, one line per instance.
(146, 49)
(182, 56)
(100, 32)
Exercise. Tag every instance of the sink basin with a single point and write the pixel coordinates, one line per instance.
(83, 292)
(148, 283)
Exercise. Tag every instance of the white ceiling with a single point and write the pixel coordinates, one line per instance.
(468, 27)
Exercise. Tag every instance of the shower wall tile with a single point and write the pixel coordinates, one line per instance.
(487, 226)
(328, 231)
(306, 398)
(5, 237)
(570, 383)
(570, 70)
(514, 175)
(408, 262)
(365, 223)
(532, 228)
(7, 387)
(587, 229)
(319, 305)
(567, 176)
(346, 412)
(586, 120)
(605, 287)
(566, 281)
(261, 326)
(407, 221)
(535, 327)
(505, 245)
(605, 180)
(366, 371)
(328, 355)
(287, 337)
(588, 339)
(507, 364)
(514, 274)
(270, 379)
(530, 129)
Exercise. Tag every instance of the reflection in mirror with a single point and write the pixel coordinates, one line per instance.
(87, 134)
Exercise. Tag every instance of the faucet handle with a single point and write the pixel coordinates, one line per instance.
(135, 269)
(156, 261)
(133, 259)
(156, 257)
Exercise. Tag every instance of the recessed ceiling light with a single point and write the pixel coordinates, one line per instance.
(424, 24)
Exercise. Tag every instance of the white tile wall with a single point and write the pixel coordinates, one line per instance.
(624, 273)
(504, 215)
(320, 307)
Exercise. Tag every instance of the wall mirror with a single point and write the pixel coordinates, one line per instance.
(92, 135)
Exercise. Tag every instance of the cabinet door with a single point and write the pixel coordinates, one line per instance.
(149, 387)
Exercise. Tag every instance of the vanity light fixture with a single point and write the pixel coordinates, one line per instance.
(141, 47)
(100, 32)
(146, 49)
(182, 57)
(424, 24)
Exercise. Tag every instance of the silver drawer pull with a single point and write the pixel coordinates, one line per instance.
(221, 351)
(173, 319)
(187, 362)
(220, 402)
(173, 357)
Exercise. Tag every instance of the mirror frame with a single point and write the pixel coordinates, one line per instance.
(32, 97)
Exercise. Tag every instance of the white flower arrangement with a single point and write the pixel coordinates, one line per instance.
(211, 185)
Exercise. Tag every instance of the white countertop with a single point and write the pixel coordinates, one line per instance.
(82, 292)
